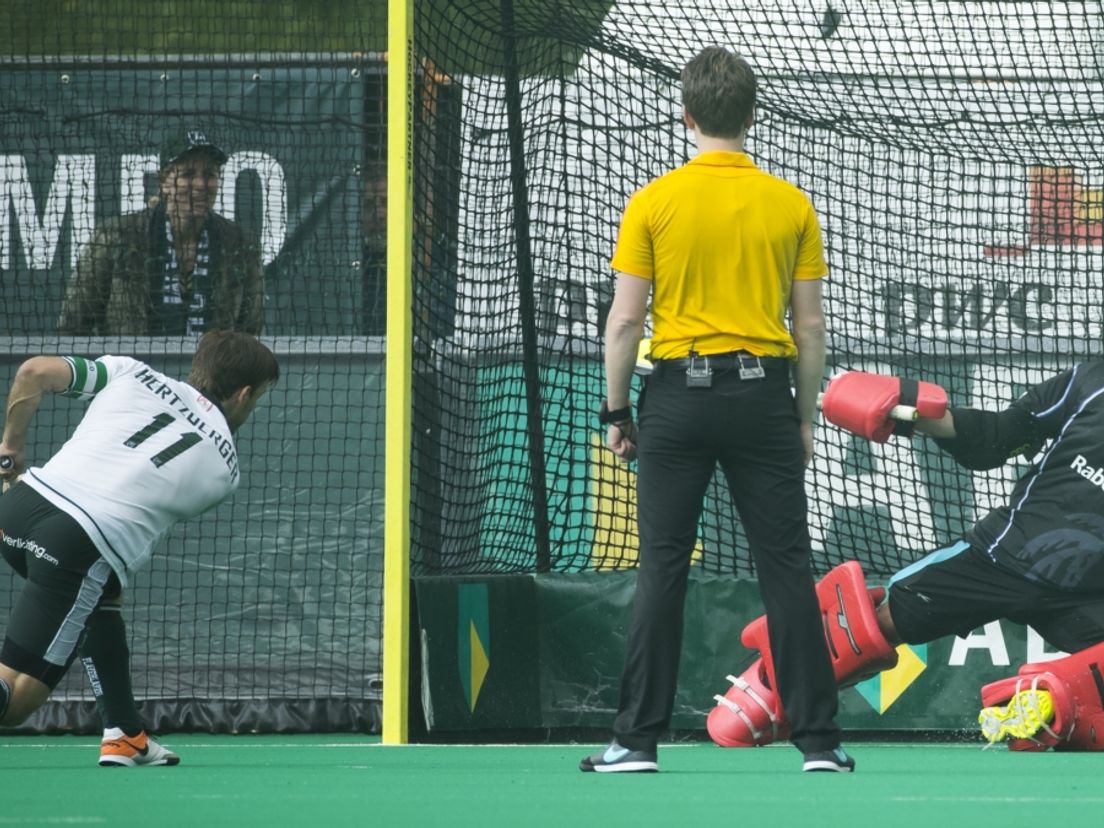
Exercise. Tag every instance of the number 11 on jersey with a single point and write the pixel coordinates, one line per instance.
(186, 441)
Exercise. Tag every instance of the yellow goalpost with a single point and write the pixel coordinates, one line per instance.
(396, 584)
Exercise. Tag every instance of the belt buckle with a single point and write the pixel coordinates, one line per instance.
(699, 373)
(752, 369)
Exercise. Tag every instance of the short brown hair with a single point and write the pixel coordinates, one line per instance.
(227, 361)
(718, 90)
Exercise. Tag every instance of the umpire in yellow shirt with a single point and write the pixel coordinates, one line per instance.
(726, 251)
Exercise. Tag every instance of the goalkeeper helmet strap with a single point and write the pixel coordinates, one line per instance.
(5, 697)
(910, 393)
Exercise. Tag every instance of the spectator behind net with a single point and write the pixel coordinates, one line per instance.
(175, 268)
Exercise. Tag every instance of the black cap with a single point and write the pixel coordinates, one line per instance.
(191, 141)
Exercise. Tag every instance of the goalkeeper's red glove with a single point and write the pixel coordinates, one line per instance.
(863, 403)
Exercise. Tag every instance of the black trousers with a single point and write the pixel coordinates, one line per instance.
(751, 428)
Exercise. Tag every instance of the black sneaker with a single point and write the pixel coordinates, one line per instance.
(829, 760)
(617, 759)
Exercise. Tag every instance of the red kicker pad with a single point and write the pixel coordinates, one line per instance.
(1076, 685)
(749, 714)
(855, 642)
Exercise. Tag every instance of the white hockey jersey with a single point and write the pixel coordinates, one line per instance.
(149, 452)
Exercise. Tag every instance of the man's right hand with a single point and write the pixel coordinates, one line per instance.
(11, 462)
(11, 465)
(621, 440)
(807, 442)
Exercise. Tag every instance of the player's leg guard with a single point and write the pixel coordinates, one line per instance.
(1057, 704)
(749, 714)
(1087, 735)
(848, 610)
(1083, 674)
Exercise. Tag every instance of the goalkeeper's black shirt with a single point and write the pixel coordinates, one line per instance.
(1052, 527)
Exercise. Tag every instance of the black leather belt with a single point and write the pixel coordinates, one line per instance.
(719, 362)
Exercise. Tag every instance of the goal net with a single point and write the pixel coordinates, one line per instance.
(950, 148)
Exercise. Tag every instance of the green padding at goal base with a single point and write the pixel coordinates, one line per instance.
(545, 651)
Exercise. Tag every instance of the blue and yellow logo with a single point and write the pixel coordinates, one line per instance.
(885, 688)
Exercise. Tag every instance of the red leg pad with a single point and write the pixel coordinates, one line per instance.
(754, 637)
(1082, 673)
(848, 610)
(749, 714)
(1088, 734)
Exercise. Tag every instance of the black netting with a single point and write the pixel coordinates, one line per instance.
(950, 150)
(266, 612)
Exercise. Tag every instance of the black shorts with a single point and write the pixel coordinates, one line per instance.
(66, 579)
(955, 590)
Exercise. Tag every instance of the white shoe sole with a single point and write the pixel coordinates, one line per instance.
(627, 767)
(825, 765)
(164, 758)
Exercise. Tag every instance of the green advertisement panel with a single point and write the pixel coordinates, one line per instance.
(82, 142)
(550, 650)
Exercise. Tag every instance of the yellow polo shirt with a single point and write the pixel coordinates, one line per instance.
(722, 241)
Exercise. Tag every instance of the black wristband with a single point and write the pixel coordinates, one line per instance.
(618, 415)
(910, 391)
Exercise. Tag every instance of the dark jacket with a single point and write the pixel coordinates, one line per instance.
(1051, 530)
(120, 272)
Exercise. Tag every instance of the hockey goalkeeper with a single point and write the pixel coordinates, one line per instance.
(1037, 560)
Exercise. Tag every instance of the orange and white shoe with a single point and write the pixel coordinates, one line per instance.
(119, 750)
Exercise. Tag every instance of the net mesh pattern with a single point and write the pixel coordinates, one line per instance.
(265, 613)
(949, 149)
